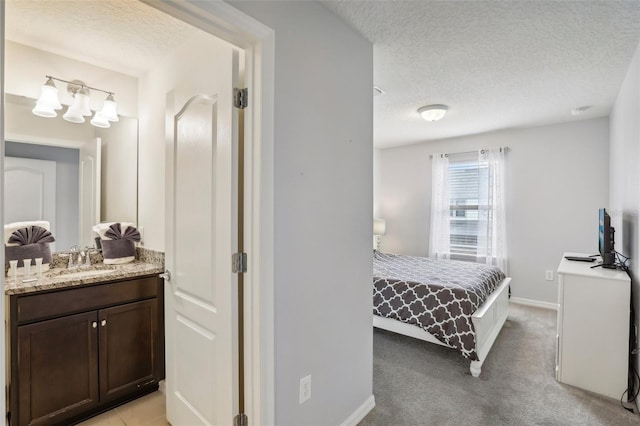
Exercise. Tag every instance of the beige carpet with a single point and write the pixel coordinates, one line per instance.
(418, 383)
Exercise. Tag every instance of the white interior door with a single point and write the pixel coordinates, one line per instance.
(30, 191)
(201, 349)
(90, 170)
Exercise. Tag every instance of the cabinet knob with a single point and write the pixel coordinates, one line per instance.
(94, 324)
(103, 322)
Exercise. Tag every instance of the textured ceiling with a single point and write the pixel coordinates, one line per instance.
(121, 35)
(496, 64)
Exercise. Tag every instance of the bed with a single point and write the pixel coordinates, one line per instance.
(462, 305)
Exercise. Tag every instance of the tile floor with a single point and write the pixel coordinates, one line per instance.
(148, 410)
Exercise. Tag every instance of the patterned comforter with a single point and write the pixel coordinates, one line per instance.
(437, 295)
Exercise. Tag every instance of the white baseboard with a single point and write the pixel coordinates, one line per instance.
(534, 303)
(360, 413)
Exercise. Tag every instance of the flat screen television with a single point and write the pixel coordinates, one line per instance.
(606, 240)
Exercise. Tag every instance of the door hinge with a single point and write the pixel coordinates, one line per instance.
(241, 420)
(239, 263)
(240, 98)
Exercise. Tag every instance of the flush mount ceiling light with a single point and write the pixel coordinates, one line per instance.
(433, 112)
(580, 110)
(48, 102)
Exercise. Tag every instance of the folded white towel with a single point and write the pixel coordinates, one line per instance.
(10, 228)
(102, 228)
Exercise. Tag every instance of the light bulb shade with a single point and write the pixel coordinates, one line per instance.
(43, 110)
(379, 227)
(73, 115)
(433, 112)
(49, 96)
(110, 109)
(100, 121)
(82, 98)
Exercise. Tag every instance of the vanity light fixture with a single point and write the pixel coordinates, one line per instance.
(433, 112)
(48, 102)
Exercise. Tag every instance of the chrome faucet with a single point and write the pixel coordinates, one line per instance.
(72, 250)
(86, 253)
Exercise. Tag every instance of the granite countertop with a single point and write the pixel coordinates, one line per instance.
(59, 277)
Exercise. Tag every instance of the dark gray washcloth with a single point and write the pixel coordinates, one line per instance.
(30, 235)
(29, 251)
(116, 249)
(115, 233)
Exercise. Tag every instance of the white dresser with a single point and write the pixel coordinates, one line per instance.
(592, 349)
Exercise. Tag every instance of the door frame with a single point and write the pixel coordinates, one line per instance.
(258, 42)
(3, 340)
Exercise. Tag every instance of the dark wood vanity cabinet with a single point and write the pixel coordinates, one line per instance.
(78, 351)
(57, 368)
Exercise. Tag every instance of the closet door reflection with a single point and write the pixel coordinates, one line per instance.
(30, 190)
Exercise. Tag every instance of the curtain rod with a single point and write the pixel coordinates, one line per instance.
(482, 151)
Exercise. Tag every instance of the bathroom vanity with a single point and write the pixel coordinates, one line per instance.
(83, 342)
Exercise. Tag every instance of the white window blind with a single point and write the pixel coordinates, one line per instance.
(468, 219)
(466, 177)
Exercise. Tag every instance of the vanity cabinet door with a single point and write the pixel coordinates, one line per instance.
(57, 368)
(129, 348)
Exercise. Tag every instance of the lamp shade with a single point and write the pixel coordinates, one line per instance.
(379, 227)
(49, 95)
(110, 109)
(100, 121)
(73, 115)
(433, 112)
(44, 110)
(82, 99)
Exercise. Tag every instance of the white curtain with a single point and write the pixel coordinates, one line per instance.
(492, 241)
(439, 238)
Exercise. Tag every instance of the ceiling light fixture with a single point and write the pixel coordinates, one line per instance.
(48, 102)
(433, 112)
(580, 110)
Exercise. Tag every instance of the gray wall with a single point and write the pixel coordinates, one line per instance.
(557, 178)
(625, 177)
(323, 158)
(67, 184)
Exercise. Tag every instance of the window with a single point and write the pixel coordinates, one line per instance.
(466, 176)
(467, 207)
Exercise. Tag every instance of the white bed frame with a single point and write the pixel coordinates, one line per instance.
(487, 320)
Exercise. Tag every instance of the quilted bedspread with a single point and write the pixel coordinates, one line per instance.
(437, 295)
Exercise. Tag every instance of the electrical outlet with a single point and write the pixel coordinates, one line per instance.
(548, 275)
(305, 388)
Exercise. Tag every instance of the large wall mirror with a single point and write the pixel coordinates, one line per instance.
(72, 175)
